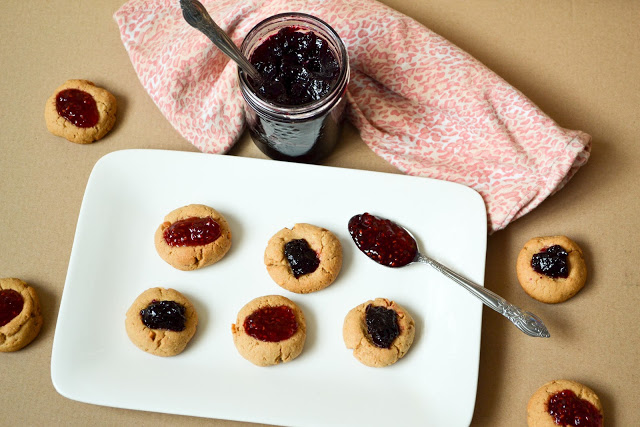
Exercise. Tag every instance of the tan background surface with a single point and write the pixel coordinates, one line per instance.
(578, 60)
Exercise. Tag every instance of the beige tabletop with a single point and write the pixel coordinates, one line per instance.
(579, 61)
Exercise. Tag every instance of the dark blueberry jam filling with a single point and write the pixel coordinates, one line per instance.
(271, 324)
(78, 107)
(298, 67)
(192, 231)
(11, 303)
(567, 409)
(551, 261)
(164, 315)
(382, 325)
(382, 240)
(302, 259)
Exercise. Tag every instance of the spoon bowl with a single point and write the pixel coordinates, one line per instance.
(392, 245)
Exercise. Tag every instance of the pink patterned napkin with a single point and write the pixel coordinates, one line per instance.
(421, 103)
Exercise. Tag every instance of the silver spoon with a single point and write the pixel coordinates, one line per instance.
(380, 239)
(197, 16)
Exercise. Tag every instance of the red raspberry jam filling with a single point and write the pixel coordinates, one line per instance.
(192, 231)
(78, 107)
(382, 325)
(168, 315)
(298, 67)
(271, 324)
(382, 240)
(567, 409)
(11, 303)
(302, 259)
(551, 262)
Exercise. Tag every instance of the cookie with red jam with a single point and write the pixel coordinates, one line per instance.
(269, 330)
(551, 269)
(380, 332)
(20, 317)
(564, 403)
(303, 259)
(80, 111)
(193, 237)
(161, 322)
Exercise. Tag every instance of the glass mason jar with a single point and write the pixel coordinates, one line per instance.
(300, 133)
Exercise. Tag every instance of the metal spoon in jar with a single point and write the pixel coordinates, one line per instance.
(391, 245)
(197, 16)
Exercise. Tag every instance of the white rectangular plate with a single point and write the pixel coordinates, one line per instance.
(113, 260)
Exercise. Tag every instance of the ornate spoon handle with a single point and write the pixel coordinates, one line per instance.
(527, 322)
(197, 16)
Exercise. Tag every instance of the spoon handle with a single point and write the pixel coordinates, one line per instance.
(527, 322)
(197, 16)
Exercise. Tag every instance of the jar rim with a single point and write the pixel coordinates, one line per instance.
(310, 109)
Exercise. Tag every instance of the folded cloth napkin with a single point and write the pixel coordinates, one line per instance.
(419, 102)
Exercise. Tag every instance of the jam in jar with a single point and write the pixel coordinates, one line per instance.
(295, 113)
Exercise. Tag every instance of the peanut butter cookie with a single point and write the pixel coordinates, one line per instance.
(193, 237)
(80, 111)
(20, 318)
(161, 322)
(551, 269)
(304, 259)
(564, 403)
(380, 332)
(270, 330)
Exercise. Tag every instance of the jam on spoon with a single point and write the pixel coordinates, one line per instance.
(391, 245)
(382, 240)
